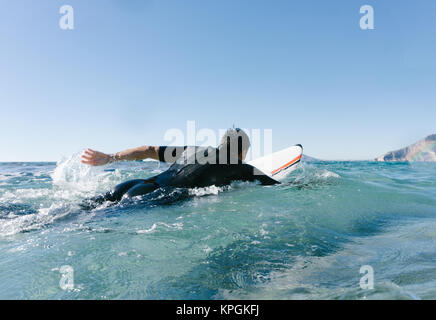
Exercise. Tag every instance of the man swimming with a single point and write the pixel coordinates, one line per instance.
(190, 166)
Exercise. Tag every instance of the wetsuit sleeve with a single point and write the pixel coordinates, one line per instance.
(170, 154)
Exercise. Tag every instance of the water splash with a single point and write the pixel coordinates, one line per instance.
(70, 173)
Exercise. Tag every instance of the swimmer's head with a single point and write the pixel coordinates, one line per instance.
(236, 143)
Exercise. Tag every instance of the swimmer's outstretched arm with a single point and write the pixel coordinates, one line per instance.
(96, 158)
(162, 153)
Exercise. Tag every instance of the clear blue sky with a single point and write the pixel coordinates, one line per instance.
(130, 70)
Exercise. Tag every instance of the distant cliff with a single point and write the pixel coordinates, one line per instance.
(307, 158)
(423, 150)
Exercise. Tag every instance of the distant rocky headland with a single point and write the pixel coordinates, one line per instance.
(307, 158)
(423, 150)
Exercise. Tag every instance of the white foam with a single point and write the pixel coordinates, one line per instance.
(205, 191)
(154, 227)
(328, 174)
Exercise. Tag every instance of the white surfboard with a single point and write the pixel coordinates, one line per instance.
(278, 163)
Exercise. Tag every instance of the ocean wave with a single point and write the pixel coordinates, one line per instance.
(34, 221)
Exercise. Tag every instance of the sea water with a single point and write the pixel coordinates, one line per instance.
(306, 238)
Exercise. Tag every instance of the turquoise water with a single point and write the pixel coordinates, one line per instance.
(304, 239)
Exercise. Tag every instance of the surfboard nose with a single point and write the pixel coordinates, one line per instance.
(299, 145)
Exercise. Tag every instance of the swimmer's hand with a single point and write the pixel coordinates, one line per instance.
(96, 158)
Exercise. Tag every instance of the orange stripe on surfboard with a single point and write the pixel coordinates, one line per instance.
(288, 164)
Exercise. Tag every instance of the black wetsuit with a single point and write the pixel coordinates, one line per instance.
(197, 167)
